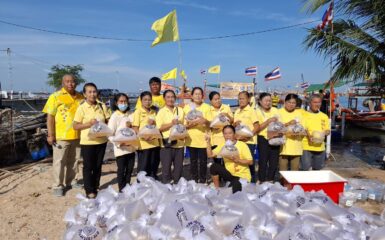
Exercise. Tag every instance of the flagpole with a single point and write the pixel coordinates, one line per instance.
(328, 138)
(180, 62)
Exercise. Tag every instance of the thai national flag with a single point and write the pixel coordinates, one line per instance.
(203, 72)
(275, 74)
(327, 18)
(305, 85)
(251, 71)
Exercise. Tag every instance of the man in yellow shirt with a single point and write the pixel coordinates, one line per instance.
(157, 98)
(275, 99)
(316, 122)
(60, 109)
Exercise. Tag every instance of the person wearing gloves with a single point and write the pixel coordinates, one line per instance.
(291, 151)
(217, 108)
(234, 168)
(268, 154)
(92, 149)
(124, 154)
(316, 123)
(171, 152)
(247, 115)
(148, 153)
(197, 129)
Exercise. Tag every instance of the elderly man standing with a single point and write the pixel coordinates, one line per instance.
(60, 108)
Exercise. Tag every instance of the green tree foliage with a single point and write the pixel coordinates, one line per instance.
(357, 43)
(58, 71)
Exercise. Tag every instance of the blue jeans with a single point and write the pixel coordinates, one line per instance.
(252, 167)
(312, 159)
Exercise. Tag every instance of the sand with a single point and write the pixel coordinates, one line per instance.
(30, 211)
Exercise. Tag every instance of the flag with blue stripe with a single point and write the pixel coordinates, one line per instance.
(273, 75)
(251, 71)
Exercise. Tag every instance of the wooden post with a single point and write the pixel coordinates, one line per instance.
(343, 124)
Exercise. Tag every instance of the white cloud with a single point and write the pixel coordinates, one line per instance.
(190, 4)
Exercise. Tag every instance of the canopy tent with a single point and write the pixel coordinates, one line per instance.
(317, 87)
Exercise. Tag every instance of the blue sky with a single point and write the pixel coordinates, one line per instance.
(133, 63)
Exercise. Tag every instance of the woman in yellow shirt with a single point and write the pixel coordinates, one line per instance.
(291, 151)
(217, 108)
(246, 115)
(236, 167)
(88, 113)
(268, 155)
(171, 153)
(148, 153)
(196, 142)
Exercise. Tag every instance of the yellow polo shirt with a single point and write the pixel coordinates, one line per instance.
(238, 170)
(63, 106)
(157, 101)
(196, 137)
(248, 117)
(263, 116)
(293, 144)
(140, 120)
(217, 134)
(165, 116)
(315, 122)
(84, 114)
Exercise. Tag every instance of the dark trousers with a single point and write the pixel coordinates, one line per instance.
(252, 167)
(198, 164)
(220, 170)
(268, 160)
(171, 156)
(125, 165)
(92, 166)
(148, 161)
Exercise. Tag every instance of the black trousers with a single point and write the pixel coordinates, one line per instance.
(268, 160)
(198, 164)
(168, 157)
(92, 166)
(252, 166)
(217, 169)
(125, 165)
(148, 161)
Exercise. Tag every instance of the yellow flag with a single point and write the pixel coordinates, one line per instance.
(215, 69)
(170, 75)
(183, 75)
(166, 28)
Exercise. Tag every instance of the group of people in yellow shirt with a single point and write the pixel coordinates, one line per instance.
(202, 142)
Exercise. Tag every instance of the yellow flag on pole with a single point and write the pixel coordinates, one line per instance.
(215, 69)
(170, 75)
(166, 28)
(183, 75)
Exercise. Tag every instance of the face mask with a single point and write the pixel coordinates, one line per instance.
(122, 107)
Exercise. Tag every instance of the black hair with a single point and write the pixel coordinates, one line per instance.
(145, 93)
(212, 94)
(264, 94)
(244, 92)
(196, 88)
(299, 103)
(291, 96)
(154, 80)
(229, 126)
(167, 91)
(90, 84)
(116, 99)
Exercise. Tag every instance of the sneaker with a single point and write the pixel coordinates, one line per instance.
(58, 192)
(91, 196)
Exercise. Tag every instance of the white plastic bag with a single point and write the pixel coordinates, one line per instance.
(295, 130)
(126, 136)
(243, 131)
(318, 137)
(178, 132)
(149, 131)
(99, 129)
(228, 150)
(193, 114)
(277, 141)
(220, 121)
(275, 129)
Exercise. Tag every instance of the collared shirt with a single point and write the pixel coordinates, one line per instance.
(157, 101)
(84, 114)
(63, 106)
(165, 116)
(217, 134)
(238, 170)
(141, 117)
(248, 117)
(264, 116)
(315, 122)
(196, 134)
(118, 121)
(293, 144)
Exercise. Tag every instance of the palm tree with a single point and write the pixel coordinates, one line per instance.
(357, 41)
